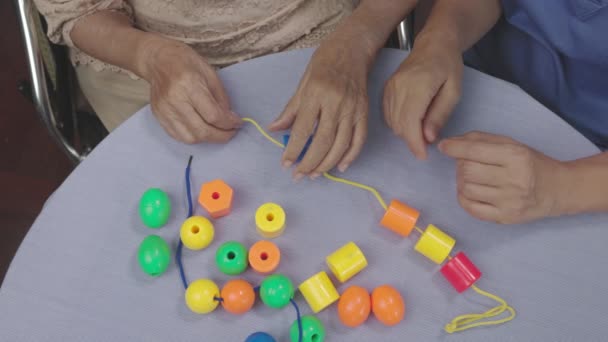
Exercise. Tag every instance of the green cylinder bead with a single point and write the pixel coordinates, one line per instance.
(154, 255)
(154, 208)
(276, 291)
(231, 258)
(312, 330)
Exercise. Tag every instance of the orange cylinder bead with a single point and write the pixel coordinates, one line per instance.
(354, 306)
(237, 296)
(400, 218)
(388, 305)
(264, 257)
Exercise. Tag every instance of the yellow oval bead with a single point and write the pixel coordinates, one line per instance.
(346, 261)
(201, 296)
(435, 244)
(197, 232)
(319, 291)
(270, 220)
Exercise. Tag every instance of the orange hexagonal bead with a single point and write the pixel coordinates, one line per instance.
(216, 198)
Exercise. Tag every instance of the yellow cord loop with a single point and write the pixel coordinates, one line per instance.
(464, 322)
(460, 323)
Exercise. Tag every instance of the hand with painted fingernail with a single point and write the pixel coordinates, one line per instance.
(502, 180)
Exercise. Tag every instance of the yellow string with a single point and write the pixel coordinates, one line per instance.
(460, 323)
(266, 135)
(464, 322)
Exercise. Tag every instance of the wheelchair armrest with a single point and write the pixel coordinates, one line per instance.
(27, 12)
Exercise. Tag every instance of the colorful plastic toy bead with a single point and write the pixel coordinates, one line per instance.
(264, 257)
(388, 305)
(154, 255)
(400, 218)
(216, 198)
(260, 337)
(237, 296)
(276, 291)
(354, 306)
(312, 330)
(461, 272)
(306, 146)
(270, 220)
(154, 208)
(435, 244)
(319, 291)
(346, 261)
(202, 296)
(197, 233)
(231, 258)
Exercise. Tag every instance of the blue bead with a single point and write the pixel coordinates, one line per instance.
(260, 337)
(308, 142)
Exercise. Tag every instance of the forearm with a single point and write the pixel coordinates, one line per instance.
(109, 37)
(462, 23)
(585, 185)
(371, 24)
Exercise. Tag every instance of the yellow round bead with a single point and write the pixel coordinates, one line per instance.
(197, 232)
(202, 295)
(435, 244)
(270, 220)
(346, 261)
(319, 291)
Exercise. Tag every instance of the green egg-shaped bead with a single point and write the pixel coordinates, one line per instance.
(154, 208)
(312, 330)
(154, 255)
(231, 258)
(276, 291)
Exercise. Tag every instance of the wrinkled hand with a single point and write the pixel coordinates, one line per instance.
(502, 180)
(420, 96)
(186, 95)
(331, 104)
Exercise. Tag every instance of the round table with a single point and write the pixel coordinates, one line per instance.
(76, 275)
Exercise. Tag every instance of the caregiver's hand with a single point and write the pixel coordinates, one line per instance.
(331, 103)
(505, 181)
(186, 95)
(420, 96)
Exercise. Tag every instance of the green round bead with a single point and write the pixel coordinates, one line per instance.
(231, 258)
(154, 208)
(276, 291)
(154, 255)
(312, 330)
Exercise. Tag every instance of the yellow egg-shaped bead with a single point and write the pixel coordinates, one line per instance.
(270, 220)
(435, 244)
(202, 296)
(197, 232)
(319, 291)
(346, 261)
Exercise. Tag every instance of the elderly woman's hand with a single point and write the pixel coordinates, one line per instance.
(330, 104)
(186, 94)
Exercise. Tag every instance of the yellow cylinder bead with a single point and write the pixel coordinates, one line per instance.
(319, 291)
(435, 244)
(197, 232)
(346, 261)
(202, 296)
(270, 220)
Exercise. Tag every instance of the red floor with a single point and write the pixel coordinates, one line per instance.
(31, 165)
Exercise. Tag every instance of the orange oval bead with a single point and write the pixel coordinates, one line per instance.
(354, 306)
(388, 305)
(237, 296)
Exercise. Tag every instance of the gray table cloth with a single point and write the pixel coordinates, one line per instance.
(76, 276)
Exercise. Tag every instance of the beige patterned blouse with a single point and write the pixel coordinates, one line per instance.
(223, 31)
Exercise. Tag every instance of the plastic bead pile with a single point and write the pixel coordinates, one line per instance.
(232, 258)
